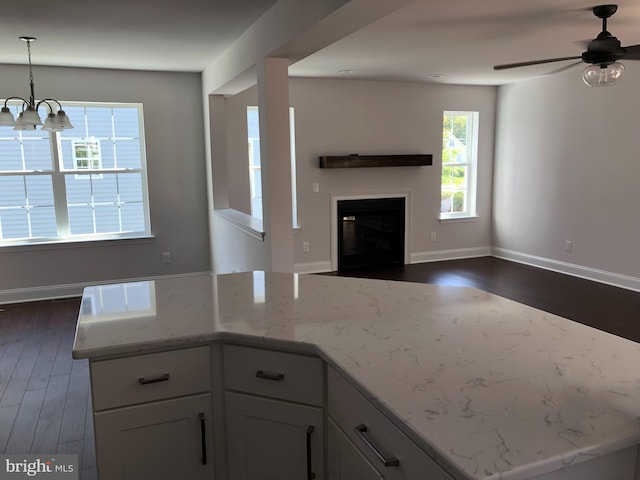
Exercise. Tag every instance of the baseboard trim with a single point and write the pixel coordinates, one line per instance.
(313, 267)
(53, 292)
(454, 254)
(588, 273)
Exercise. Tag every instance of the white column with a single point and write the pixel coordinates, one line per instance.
(275, 155)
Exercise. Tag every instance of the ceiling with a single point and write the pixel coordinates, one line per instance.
(184, 35)
(460, 39)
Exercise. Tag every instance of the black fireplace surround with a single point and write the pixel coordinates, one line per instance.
(370, 232)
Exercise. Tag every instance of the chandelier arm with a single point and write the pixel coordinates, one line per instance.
(16, 98)
(47, 100)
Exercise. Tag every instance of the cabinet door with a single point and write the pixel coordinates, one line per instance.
(345, 462)
(161, 440)
(272, 439)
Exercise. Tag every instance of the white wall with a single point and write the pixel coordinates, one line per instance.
(567, 168)
(341, 117)
(336, 117)
(174, 132)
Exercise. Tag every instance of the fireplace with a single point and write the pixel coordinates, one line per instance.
(370, 232)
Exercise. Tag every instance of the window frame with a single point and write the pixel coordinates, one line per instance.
(254, 144)
(58, 172)
(471, 164)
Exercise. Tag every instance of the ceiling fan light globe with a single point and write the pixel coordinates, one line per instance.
(602, 75)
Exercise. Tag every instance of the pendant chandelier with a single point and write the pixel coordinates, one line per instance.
(28, 118)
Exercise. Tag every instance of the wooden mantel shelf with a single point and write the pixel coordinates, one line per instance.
(361, 161)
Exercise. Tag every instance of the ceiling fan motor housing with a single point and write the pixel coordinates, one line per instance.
(605, 49)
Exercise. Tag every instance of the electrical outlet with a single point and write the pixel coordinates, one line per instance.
(568, 245)
(166, 258)
(305, 247)
(434, 236)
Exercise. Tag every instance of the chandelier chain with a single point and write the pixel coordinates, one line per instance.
(31, 83)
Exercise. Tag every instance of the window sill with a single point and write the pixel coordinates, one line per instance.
(471, 218)
(248, 224)
(72, 243)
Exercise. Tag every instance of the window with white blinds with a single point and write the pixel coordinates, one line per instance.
(86, 183)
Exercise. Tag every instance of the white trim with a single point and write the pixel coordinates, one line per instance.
(51, 292)
(365, 196)
(594, 274)
(312, 267)
(454, 254)
(245, 223)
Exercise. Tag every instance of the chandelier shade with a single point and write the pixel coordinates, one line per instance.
(29, 118)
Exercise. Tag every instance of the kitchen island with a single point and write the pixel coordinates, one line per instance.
(487, 387)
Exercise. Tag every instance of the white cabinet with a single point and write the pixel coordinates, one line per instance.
(274, 414)
(152, 416)
(273, 440)
(161, 440)
(381, 443)
(344, 460)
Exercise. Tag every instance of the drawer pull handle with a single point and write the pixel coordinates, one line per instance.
(160, 378)
(310, 474)
(270, 376)
(360, 431)
(203, 438)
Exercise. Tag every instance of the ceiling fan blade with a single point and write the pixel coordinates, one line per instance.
(633, 52)
(533, 62)
(566, 67)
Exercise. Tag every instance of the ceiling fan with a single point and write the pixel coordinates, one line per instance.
(602, 54)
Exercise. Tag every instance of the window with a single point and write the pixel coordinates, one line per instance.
(459, 160)
(81, 184)
(255, 172)
(255, 165)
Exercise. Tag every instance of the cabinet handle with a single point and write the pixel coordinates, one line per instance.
(160, 378)
(203, 438)
(310, 474)
(360, 430)
(270, 376)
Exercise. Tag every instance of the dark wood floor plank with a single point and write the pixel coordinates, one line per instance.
(7, 366)
(44, 364)
(24, 427)
(89, 453)
(21, 374)
(63, 360)
(7, 419)
(47, 431)
(89, 474)
(72, 448)
(74, 414)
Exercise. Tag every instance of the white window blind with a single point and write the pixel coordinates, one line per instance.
(86, 183)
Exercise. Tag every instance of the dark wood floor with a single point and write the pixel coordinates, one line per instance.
(44, 395)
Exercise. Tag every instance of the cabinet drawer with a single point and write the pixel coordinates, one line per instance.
(287, 376)
(351, 411)
(144, 378)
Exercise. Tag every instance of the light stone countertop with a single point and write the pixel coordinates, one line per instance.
(490, 388)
